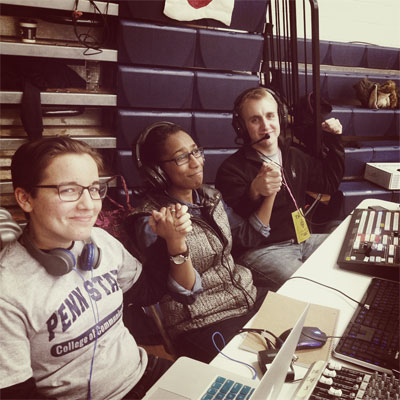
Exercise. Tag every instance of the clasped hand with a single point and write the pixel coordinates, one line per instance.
(171, 223)
(268, 180)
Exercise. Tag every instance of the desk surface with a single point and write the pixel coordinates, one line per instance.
(321, 267)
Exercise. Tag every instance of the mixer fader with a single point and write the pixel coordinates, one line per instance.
(371, 244)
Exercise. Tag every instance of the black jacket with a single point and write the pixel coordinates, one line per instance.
(302, 172)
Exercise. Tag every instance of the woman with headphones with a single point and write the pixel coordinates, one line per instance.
(219, 295)
(62, 285)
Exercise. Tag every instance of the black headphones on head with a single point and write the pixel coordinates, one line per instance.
(153, 174)
(237, 121)
(61, 261)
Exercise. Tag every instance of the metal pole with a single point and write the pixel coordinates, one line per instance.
(316, 77)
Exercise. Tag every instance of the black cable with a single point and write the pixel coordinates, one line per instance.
(328, 337)
(257, 271)
(329, 287)
(84, 38)
(262, 333)
(344, 294)
(266, 356)
(312, 206)
(269, 343)
(237, 285)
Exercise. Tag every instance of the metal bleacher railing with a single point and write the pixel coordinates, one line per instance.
(280, 67)
(369, 135)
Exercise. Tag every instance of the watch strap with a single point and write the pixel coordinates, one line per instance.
(184, 254)
(180, 258)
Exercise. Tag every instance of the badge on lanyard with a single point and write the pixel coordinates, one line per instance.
(300, 225)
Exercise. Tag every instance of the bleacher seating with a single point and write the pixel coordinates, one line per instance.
(358, 55)
(369, 135)
(358, 121)
(356, 191)
(337, 85)
(188, 74)
(195, 86)
(198, 47)
(356, 158)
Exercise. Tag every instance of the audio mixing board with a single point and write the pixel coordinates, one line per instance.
(371, 245)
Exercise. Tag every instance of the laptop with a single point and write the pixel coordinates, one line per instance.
(192, 379)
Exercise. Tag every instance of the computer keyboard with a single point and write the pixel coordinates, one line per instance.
(228, 389)
(371, 338)
(331, 381)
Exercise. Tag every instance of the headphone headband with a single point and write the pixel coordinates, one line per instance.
(237, 121)
(143, 136)
(61, 261)
(151, 173)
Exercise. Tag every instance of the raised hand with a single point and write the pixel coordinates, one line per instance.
(171, 223)
(268, 181)
(183, 223)
(332, 125)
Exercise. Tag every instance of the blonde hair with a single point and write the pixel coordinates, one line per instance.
(255, 94)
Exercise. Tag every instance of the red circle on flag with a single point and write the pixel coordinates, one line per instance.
(199, 3)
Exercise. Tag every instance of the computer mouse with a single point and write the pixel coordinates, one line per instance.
(311, 337)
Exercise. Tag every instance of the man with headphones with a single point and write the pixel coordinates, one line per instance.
(62, 285)
(249, 176)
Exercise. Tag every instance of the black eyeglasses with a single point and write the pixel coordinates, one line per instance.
(185, 158)
(73, 191)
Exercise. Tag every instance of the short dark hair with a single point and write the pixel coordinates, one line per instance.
(32, 158)
(152, 148)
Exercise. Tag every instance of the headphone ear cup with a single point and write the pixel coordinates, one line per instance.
(58, 261)
(157, 178)
(283, 115)
(90, 257)
(239, 127)
(237, 123)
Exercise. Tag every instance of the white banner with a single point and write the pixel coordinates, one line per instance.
(189, 10)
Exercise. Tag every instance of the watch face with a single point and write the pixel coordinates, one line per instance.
(179, 259)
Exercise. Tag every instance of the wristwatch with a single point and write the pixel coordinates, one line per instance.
(180, 258)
